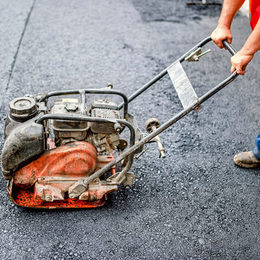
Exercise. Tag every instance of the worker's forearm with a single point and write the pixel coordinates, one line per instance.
(229, 10)
(252, 45)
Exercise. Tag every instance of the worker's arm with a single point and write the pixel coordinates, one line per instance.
(241, 59)
(223, 32)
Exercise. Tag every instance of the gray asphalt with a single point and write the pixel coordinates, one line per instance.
(195, 204)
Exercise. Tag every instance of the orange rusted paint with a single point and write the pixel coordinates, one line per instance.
(52, 174)
(74, 159)
(26, 198)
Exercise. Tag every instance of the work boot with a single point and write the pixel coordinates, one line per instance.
(246, 160)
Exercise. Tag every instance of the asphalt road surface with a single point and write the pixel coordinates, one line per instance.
(194, 204)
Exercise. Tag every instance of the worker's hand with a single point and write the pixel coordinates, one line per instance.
(220, 34)
(239, 61)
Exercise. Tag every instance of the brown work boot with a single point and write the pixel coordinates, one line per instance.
(246, 160)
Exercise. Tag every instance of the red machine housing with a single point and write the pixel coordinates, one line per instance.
(44, 182)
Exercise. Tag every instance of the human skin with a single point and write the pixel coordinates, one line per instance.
(222, 32)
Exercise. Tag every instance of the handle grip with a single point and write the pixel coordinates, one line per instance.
(229, 47)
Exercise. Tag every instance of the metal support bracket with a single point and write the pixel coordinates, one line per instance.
(196, 55)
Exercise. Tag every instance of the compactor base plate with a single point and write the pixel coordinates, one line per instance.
(26, 198)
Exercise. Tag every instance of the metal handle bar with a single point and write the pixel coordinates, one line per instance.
(83, 183)
(163, 127)
(90, 91)
(229, 47)
(181, 59)
(174, 119)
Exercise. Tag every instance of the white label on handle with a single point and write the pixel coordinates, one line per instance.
(181, 83)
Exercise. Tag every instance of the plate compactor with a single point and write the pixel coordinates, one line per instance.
(72, 153)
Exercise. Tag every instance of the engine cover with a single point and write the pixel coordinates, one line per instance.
(45, 181)
(54, 171)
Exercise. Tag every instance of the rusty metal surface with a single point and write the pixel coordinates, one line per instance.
(52, 173)
(44, 183)
(74, 159)
(26, 198)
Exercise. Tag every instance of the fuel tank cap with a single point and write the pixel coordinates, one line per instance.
(22, 108)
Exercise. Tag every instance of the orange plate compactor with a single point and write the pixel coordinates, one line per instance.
(72, 153)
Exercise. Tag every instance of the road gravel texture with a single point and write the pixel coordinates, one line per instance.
(194, 204)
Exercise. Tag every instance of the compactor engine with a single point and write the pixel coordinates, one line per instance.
(47, 149)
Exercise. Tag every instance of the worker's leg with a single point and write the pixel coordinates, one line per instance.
(256, 150)
(249, 159)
